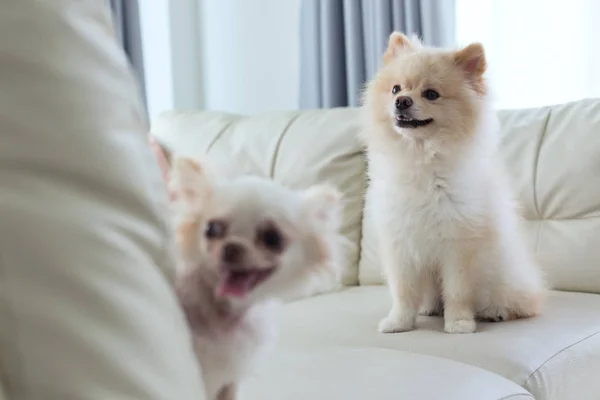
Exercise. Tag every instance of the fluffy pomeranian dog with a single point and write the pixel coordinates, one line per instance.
(245, 242)
(448, 229)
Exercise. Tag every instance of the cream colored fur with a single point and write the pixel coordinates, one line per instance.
(231, 331)
(447, 224)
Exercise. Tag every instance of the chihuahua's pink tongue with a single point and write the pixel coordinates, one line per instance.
(236, 284)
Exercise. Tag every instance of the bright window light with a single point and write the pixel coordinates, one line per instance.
(540, 52)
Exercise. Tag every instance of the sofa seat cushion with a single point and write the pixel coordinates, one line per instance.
(554, 356)
(346, 373)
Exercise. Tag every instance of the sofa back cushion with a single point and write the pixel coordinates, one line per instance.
(297, 149)
(552, 155)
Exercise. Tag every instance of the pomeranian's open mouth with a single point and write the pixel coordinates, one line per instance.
(404, 121)
(240, 282)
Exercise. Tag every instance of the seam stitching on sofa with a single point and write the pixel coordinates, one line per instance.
(556, 354)
(535, 179)
(536, 162)
(222, 131)
(278, 145)
(561, 219)
(512, 396)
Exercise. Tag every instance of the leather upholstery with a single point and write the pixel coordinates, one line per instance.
(360, 373)
(550, 153)
(296, 149)
(329, 345)
(554, 356)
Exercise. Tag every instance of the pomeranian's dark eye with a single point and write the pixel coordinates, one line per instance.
(431, 94)
(396, 89)
(215, 229)
(271, 239)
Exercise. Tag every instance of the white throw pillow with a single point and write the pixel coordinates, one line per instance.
(86, 308)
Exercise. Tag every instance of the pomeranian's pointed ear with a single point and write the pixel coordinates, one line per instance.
(400, 43)
(323, 203)
(472, 59)
(191, 182)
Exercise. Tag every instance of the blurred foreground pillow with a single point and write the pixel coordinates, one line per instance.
(86, 309)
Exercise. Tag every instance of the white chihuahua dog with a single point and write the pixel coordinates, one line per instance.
(246, 242)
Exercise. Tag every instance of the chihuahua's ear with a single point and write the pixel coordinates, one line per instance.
(191, 182)
(323, 205)
(399, 43)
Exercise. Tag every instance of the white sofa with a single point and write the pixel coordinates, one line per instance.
(329, 346)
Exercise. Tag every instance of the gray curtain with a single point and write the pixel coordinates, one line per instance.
(343, 41)
(127, 24)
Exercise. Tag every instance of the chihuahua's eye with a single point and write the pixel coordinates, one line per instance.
(396, 89)
(431, 94)
(271, 239)
(215, 229)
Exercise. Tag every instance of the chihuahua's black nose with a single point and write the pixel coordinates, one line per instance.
(403, 103)
(232, 253)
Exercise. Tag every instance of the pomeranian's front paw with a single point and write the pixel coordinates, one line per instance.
(396, 324)
(460, 326)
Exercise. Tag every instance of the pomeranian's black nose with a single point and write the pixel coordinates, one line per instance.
(232, 253)
(403, 103)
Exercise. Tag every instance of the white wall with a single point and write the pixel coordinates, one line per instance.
(239, 56)
(187, 57)
(156, 43)
(250, 54)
